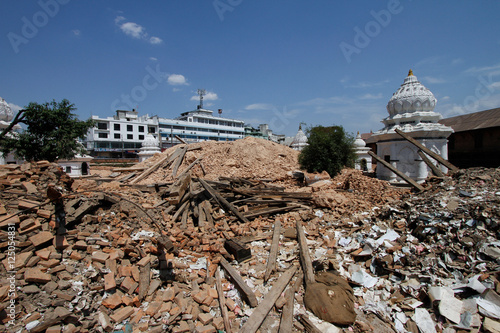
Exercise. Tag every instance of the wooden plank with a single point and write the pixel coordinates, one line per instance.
(308, 324)
(180, 139)
(207, 209)
(190, 166)
(273, 253)
(259, 314)
(305, 258)
(238, 281)
(179, 160)
(150, 170)
(397, 172)
(222, 301)
(183, 225)
(144, 280)
(428, 151)
(286, 322)
(272, 210)
(223, 202)
(180, 186)
(239, 251)
(435, 170)
(180, 211)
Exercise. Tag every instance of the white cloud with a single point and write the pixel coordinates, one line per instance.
(434, 80)
(153, 59)
(259, 106)
(433, 60)
(491, 70)
(76, 32)
(457, 61)
(176, 80)
(155, 40)
(445, 98)
(209, 96)
(135, 30)
(371, 96)
(365, 84)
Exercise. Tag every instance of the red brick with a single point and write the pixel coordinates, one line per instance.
(122, 314)
(41, 238)
(36, 275)
(112, 301)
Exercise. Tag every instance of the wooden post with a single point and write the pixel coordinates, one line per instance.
(286, 322)
(222, 301)
(273, 253)
(428, 151)
(178, 162)
(397, 172)
(259, 314)
(431, 165)
(243, 287)
(223, 201)
(305, 258)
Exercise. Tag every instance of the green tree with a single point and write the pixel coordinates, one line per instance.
(329, 149)
(51, 132)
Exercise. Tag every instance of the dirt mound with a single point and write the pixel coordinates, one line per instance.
(247, 158)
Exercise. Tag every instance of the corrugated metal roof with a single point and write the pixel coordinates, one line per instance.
(474, 121)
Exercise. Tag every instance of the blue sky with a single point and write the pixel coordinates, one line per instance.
(319, 62)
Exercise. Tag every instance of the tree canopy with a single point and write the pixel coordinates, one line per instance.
(51, 132)
(329, 149)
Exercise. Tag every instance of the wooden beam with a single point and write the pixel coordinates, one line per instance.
(152, 168)
(429, 163)
(305, 257)
(180, 139)
(286, 322)
(427, 151)
(397, 172)
(308, 324)
(190, 166)
(222, 301)
(178, 162)
(223, 202)
(273, 253)
(260, 313)
(242, 286)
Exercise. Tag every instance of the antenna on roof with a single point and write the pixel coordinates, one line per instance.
(201, 93)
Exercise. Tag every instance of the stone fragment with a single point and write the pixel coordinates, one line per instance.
(41, 238)
(36, 275)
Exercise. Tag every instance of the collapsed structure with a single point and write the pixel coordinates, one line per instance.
(209, 236)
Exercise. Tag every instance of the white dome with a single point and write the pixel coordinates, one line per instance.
(412, 96)
(359, 143)
(150, 142)
(6, 113)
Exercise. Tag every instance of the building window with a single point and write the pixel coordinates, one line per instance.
(130, 136)
(117, 136)
(387, 158)
(102, 126)
(103, 135)
(116, 127)
(141, 128)
(141, 137)
(151, 129)
(130, 128)
(478, 140)
(68, 169)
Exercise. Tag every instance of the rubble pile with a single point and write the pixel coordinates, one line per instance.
(184, 244)
(247, 158)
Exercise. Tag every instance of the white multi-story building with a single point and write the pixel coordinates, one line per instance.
(120, 136)
(200, 125)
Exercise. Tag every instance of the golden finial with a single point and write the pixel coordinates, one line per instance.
(410, 73)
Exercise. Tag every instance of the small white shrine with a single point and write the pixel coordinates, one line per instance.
(363, 159)
(78, 166)
(300, 140)
(411, 109)
(150, 146)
